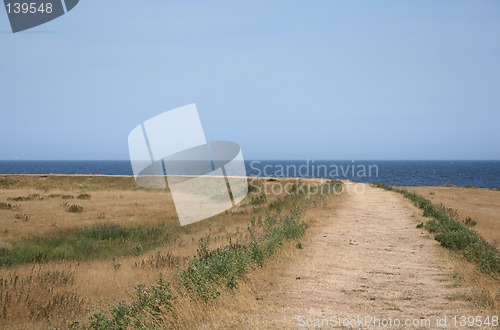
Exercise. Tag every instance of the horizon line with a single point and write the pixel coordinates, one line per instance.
(251, 160)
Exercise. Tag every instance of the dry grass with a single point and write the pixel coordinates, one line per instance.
(54, 293)
(122, 203)
(233, 310)
(481, 205)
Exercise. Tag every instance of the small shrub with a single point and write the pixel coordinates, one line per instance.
(9, 206)
(75, 208)
(469, 222)
(299, 246)
(5, 206)
(27, 198)
(154, 301)
(83, 196)
(19, 199)
(54, 195)
(67, 197)
(23, 217)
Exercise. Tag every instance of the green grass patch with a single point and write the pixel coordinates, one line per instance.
(454, 235)
(103, 241)
(6, 182)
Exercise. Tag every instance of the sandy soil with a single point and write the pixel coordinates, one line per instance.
(366, 259)
(482, 205)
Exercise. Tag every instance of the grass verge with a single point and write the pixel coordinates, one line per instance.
(452, 234)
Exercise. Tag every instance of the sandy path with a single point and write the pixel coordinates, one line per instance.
(366, 259)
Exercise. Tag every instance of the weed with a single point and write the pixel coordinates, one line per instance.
(75, 208)
(159, 260)
(54, 195)
(83, 196)
(23, 217)
(469, 222)
(116, 265)
(9, 206)
(154, 301)
(138, 249)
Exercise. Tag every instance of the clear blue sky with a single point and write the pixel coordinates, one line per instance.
(284, 79)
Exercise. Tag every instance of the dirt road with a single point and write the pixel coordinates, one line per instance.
(366, 259)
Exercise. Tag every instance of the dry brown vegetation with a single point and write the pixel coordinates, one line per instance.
(363, 255)
(481, 205)
(55, 293)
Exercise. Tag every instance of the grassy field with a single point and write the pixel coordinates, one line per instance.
(84, 250)
(481, 206)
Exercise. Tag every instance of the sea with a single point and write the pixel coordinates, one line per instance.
(484, 174)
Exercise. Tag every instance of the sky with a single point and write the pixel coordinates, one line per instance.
(284, 79)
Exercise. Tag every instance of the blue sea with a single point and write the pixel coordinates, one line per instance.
(485, 174)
